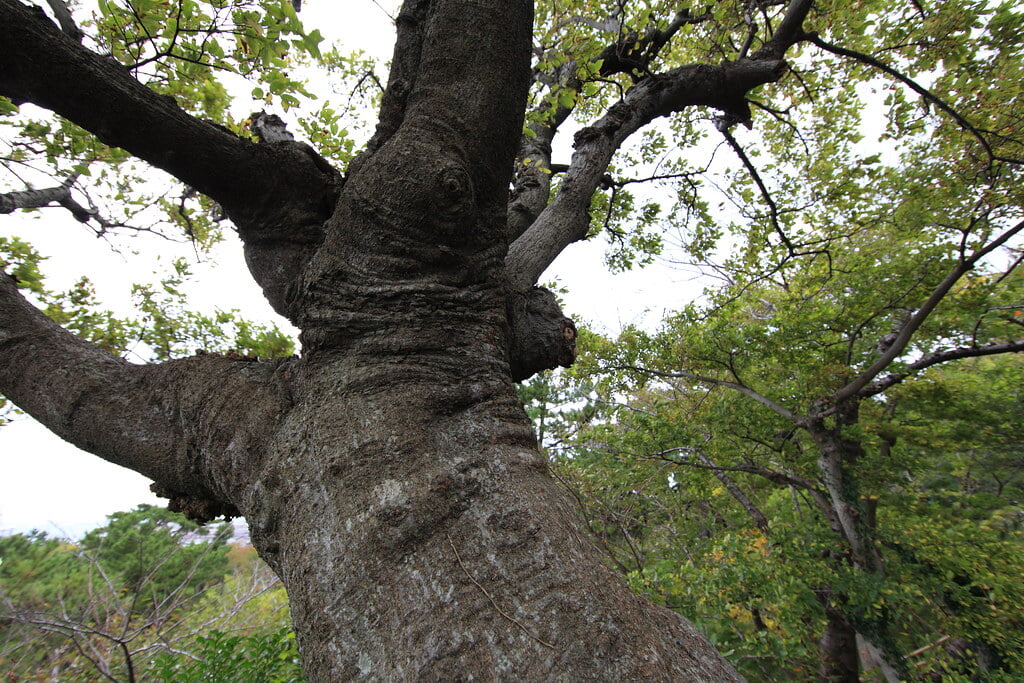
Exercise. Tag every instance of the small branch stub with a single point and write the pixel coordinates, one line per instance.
(198, 509)
(543, 338)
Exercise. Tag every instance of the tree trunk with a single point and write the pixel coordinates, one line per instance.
(389, 475)
(431, 542)
(853, 520)
(838, 646)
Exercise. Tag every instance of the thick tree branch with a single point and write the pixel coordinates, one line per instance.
(278, 195)
(565, 219)
(629, 54)
(788, 32)
(166, 421)
(532, 183)
(907, 330)
(41, 65)
(723, 86)
(880, 385)
(405, 63)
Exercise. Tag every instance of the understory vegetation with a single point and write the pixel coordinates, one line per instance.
(147, 597)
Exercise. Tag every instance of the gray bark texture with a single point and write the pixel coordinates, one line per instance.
(389, 475)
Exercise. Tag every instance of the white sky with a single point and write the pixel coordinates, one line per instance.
(48, 484)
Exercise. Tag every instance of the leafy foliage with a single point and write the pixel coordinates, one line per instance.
(270, 657)
(149, 596)
(827, 437)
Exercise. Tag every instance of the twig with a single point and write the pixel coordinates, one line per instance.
(919, 650)
(737, 386)
(927, 94)
(489, 597)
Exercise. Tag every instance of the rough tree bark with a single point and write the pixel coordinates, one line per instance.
(389, 475)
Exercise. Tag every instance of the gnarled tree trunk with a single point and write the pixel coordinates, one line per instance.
(389, 475)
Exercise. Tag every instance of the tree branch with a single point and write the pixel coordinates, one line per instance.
(760, 521)
(632, 54)
(531, 192)
(532, 180)
(773, 209)
(278, 195)
(165, 421)
(915, 321)
(927, 94)
(37, 199)
(880, 385)
(565, 219)
(723, 86)
(788, 32)
(67, 23)
(735, 386)
(405, 63)
(41, 65)
(771, 475)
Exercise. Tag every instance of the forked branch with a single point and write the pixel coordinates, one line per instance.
(914, 322)
(723, 86)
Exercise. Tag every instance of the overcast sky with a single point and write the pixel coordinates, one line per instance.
(47, 484)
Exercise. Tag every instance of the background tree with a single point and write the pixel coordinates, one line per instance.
(387, 460)
(852, 280)
(146, 597)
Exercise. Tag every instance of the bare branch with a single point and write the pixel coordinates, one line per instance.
(36, 199)
(61, 196)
